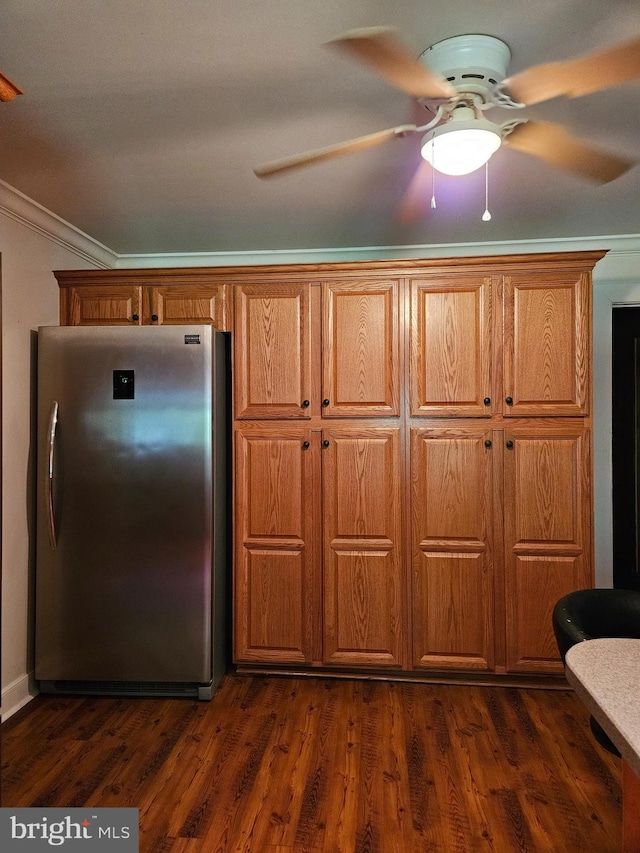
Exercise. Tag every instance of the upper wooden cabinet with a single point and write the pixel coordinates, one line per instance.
(272, 351)
(101, 305)
(361, 349)
(141, 297)
(516, 344)
(547, 340)
(173, 305)
(451, 340)
(283, 335)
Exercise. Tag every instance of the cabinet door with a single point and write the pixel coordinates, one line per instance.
(548, 523)
(277, 542)
(272, 351)
(547, 349)
(189, 303)
(101, 305)
(361, 349)
(451, 347)
(362, 551)
(452, 532)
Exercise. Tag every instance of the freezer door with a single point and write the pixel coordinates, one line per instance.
(124, 541)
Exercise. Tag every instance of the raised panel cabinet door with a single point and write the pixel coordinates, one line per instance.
(362, 547)
(547, 343)
(103, 305)
(452, 533)
(276, 550)
(451, 347)
(548, 524)
(189, 303)
(272, 351)
(361, 349)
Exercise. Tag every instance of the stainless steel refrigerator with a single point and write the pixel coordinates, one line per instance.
(132, 515)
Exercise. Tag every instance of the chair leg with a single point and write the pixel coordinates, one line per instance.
(602, 737)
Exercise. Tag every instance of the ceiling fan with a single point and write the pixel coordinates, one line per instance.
(458, 79)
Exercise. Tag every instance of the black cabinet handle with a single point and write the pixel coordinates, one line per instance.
(305, 404)
(509, 401)
(305, 445)
(487, 443)
(510, 445)
(135, 318)
(487, 401)
(325, 402)
(325, 443)
(154, 317)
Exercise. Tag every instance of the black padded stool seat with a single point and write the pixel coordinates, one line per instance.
(590, 614)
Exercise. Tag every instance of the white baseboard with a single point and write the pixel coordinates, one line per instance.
(17, 694)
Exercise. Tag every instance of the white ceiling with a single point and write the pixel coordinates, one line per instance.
(142, 119)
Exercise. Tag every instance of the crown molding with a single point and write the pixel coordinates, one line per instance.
(621, 263)
(19, 207)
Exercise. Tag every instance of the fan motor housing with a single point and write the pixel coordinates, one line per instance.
(471, 63)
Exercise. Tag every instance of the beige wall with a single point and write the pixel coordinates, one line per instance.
(29, 300)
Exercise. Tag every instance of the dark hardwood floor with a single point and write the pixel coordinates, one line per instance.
(275, 764)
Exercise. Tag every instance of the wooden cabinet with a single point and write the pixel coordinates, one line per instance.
(101, 305)
(516, 344)
(452, 482)
(363, 577)
(277, 525)
(272, 351)
(451, 346)
(361, 349)
(535, 550)
(284, 475)
(547, 342)
(283, 335)
(547, 512)
(137, 297)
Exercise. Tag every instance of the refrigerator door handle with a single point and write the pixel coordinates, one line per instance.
(48, 482)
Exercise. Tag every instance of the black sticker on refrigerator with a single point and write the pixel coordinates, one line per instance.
(124, 385)
(192, 339)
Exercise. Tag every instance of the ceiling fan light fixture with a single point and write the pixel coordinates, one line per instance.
(462, 145)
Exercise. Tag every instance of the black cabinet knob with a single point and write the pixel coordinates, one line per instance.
(305, 445)
(305, 404)
(325, 402)
(135, 318)
(509, 401)
(325, 443)
(510, 445)
(487, 443)
(487, 401)
(154, 317)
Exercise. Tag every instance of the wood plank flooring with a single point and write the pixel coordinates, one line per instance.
(281, 764)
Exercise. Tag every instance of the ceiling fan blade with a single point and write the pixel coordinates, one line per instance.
(553, 144)
(378, 48)
(8, 89)
(594, 72)
(352, 146)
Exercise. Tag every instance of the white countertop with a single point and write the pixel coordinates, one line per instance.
(606, 676)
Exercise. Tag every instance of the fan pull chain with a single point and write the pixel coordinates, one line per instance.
(486, 216)
(433, 177)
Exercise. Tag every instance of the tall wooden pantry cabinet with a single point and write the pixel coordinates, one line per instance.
(412, 453)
